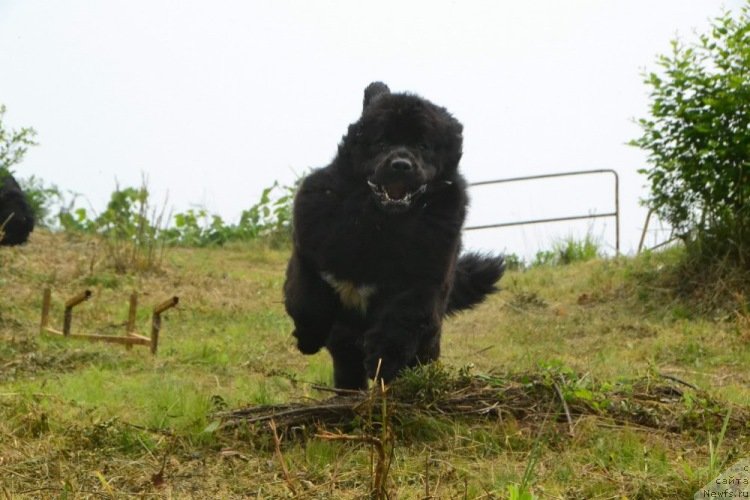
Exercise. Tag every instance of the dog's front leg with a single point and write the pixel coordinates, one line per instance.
(403, 324)
(311, 303)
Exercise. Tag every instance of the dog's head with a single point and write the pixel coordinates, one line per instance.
(402, 146)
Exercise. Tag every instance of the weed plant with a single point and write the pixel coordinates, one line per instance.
(569, 250)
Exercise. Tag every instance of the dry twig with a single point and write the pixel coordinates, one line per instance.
(565, 407)
(377, 445)
(280, 457)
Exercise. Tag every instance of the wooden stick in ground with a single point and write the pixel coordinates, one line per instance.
(69, 305)
(77, 299)
(46, 299)
(156, 321)
(565, 407)
(377, 445)
(130, 326)
(280, 457)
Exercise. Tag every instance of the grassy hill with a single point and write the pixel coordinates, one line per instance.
(81, 420)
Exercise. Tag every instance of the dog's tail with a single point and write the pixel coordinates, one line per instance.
(476, 275)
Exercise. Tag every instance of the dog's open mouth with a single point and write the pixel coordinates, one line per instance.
(396, 195)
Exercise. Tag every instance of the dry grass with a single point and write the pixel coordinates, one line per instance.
(84, 420)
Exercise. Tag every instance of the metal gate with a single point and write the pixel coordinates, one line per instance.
(615, 213)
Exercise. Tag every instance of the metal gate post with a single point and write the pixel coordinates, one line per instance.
(615, 214)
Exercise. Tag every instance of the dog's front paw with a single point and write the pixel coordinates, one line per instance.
(383, 365)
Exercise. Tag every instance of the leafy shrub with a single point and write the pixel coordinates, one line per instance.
(13, 143)
(698, 140)
(270, 218)
(44, 199)
(76, 220)
(196, 228)
(513, 262)
(129, 227)
(136, 238)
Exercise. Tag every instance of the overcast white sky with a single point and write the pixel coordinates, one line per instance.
(214, 101)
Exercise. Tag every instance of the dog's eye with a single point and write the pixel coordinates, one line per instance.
(423, 146)
(380, 145)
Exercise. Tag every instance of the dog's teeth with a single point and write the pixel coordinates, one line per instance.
(386, 199)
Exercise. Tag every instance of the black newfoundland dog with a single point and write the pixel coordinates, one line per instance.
(377, 233)
(16, 215)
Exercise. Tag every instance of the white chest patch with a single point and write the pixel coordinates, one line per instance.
(351, 295)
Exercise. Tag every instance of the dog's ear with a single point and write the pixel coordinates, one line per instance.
(373, 91)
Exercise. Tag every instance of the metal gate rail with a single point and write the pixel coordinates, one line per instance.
(615, 214)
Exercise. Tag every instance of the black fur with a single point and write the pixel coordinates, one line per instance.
(475, 278)
(16, 215)
(377, 234)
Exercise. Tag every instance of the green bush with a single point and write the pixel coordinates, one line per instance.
(698, 140)
(44, 200)
(270, 218)
(131, 227)
(13, 144)
(513, 262)
(568, 251)
(196, 228)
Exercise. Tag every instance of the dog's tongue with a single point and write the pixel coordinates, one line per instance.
(396, 190)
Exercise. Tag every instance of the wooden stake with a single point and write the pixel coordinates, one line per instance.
(130, 326)
(156, 321)
(46, 299)
(69, 305)
(130, 338)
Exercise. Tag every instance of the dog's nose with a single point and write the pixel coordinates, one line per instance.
(401, 165)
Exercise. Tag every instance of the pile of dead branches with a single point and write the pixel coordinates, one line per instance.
(658, 402)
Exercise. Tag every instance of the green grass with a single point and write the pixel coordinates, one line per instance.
(87, 420)
(568, 251)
